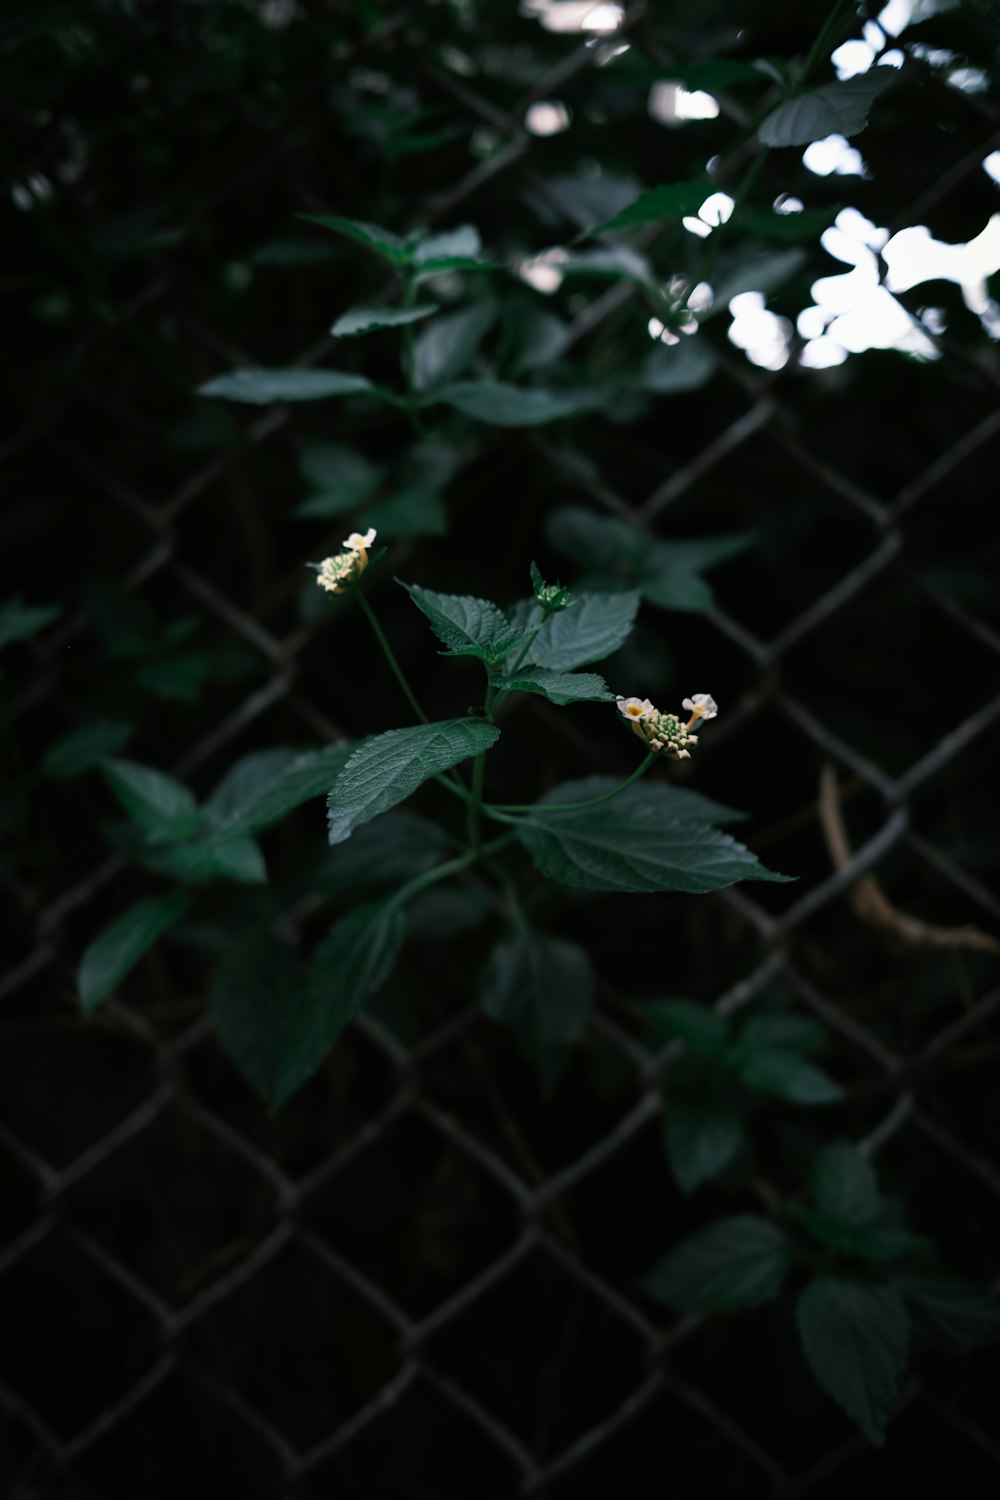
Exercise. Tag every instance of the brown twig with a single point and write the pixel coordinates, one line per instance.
(867, 897)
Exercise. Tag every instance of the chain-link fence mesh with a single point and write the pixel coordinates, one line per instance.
(406, 1264)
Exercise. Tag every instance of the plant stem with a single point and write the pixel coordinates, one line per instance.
(475, 806)
(500, 810)
(449, 868)
(390, 656)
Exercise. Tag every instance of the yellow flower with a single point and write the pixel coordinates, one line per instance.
(336, 574)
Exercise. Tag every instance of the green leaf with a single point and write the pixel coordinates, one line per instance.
(502, 405)
(233, 859)
(664, 801)
(591, 628)
(467, 626)
(667, 573)
(610, 263)
(951, 1311)
(754, 272)
(703, 1136)
(786, 1075)
(243, 781)
(305, 777)
(737, 1262)
(392, 849)
(344, 479)
(461, 243)
(444, 348)
(673, 201)
(163, 808)
(18, 620)
(85, 748)
(387, 768)
(667, 369)
(446, 911)
(262, 387)
(807, 224)
(855, 1336)
(543, 988)
(702, 1030)
(118, 948)
(257, 1005)
(409, 512)
(359, 320)
(835, 109)
(350, 964)
(372, 236)
(844, 1186)
(557, 687)
(789, 1032)
(633, 843)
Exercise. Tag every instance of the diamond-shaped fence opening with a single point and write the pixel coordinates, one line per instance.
(424, 1257)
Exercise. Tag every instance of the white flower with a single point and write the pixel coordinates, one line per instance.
(336, 574)
(634, 708)
(700, 706)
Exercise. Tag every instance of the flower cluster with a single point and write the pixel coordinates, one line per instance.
(664, 732)
(336, 574)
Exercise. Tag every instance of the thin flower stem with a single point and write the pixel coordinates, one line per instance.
(390, 656)
(449, 868)
(502, 809)
(450, 780)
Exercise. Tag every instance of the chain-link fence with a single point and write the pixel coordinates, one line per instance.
(187, 1279)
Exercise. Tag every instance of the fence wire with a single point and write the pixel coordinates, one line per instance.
(284, 1216)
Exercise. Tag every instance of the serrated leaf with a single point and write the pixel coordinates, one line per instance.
(373, 236)
(703, 1136)
(350, 964)
(702, 1030)
(591, 628)
(844, 1185)
(158, 804)
(444, 348)
(502, 405)
(85, 748)
(119, 946)
(467, 626)
(387, 768)
(19, 621)
(543, 988)
(737, 1262)
(951, 1311)
(670, 202)
(855, 1336)
(557, 687)
(256, 387)
(835, 109)
(755, 272)
(305, 777)
(633, 843)
(360, 320)
(661, 801)
(787, 1075)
